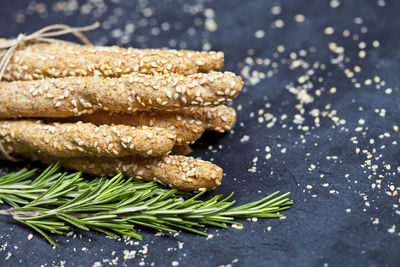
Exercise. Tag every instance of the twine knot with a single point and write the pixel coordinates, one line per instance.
(20, 38)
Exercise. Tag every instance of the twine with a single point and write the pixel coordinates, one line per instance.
(8, 47)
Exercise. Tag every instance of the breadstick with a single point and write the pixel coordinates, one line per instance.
(38, 61)
(57, 60)
(220, 118)
(205, 61)
(181, 172)
(181, 150)
(83, 139)
(187, 127)
(74, 96)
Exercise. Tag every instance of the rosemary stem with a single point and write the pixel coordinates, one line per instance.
(19, 213)
(7, 212)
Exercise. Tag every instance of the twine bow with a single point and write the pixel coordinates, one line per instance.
(8, 47)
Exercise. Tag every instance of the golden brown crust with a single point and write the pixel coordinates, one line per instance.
(220, 118)
(40, 60)
(187, 127)
(83, 139)
(184, 173)
(74, 96)
(57, 60)
(205, 61)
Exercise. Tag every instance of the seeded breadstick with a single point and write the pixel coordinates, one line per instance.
(40, 60)
(74, 96)
(185, 173)
(205, 61)
(83, 139)
(220, 118)
(187, 127)
(181, 150)
(56, 60)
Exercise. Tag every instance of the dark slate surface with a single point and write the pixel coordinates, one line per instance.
(318, 231)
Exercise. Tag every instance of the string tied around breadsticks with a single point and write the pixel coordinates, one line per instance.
(46, 34)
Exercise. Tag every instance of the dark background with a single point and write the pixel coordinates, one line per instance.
(335, 190)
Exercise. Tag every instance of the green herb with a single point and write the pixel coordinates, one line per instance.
(58, 202)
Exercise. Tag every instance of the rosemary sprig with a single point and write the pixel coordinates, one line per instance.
(58, 202)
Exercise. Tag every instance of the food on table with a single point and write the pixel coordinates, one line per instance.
(188, 125)
(56, 60)
(74, 96)
(84, 139)
(181, 172)
(109, 110)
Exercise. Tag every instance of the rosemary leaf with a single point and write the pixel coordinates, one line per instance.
(58, 202)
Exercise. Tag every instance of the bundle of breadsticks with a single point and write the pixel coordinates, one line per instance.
(109, 110)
